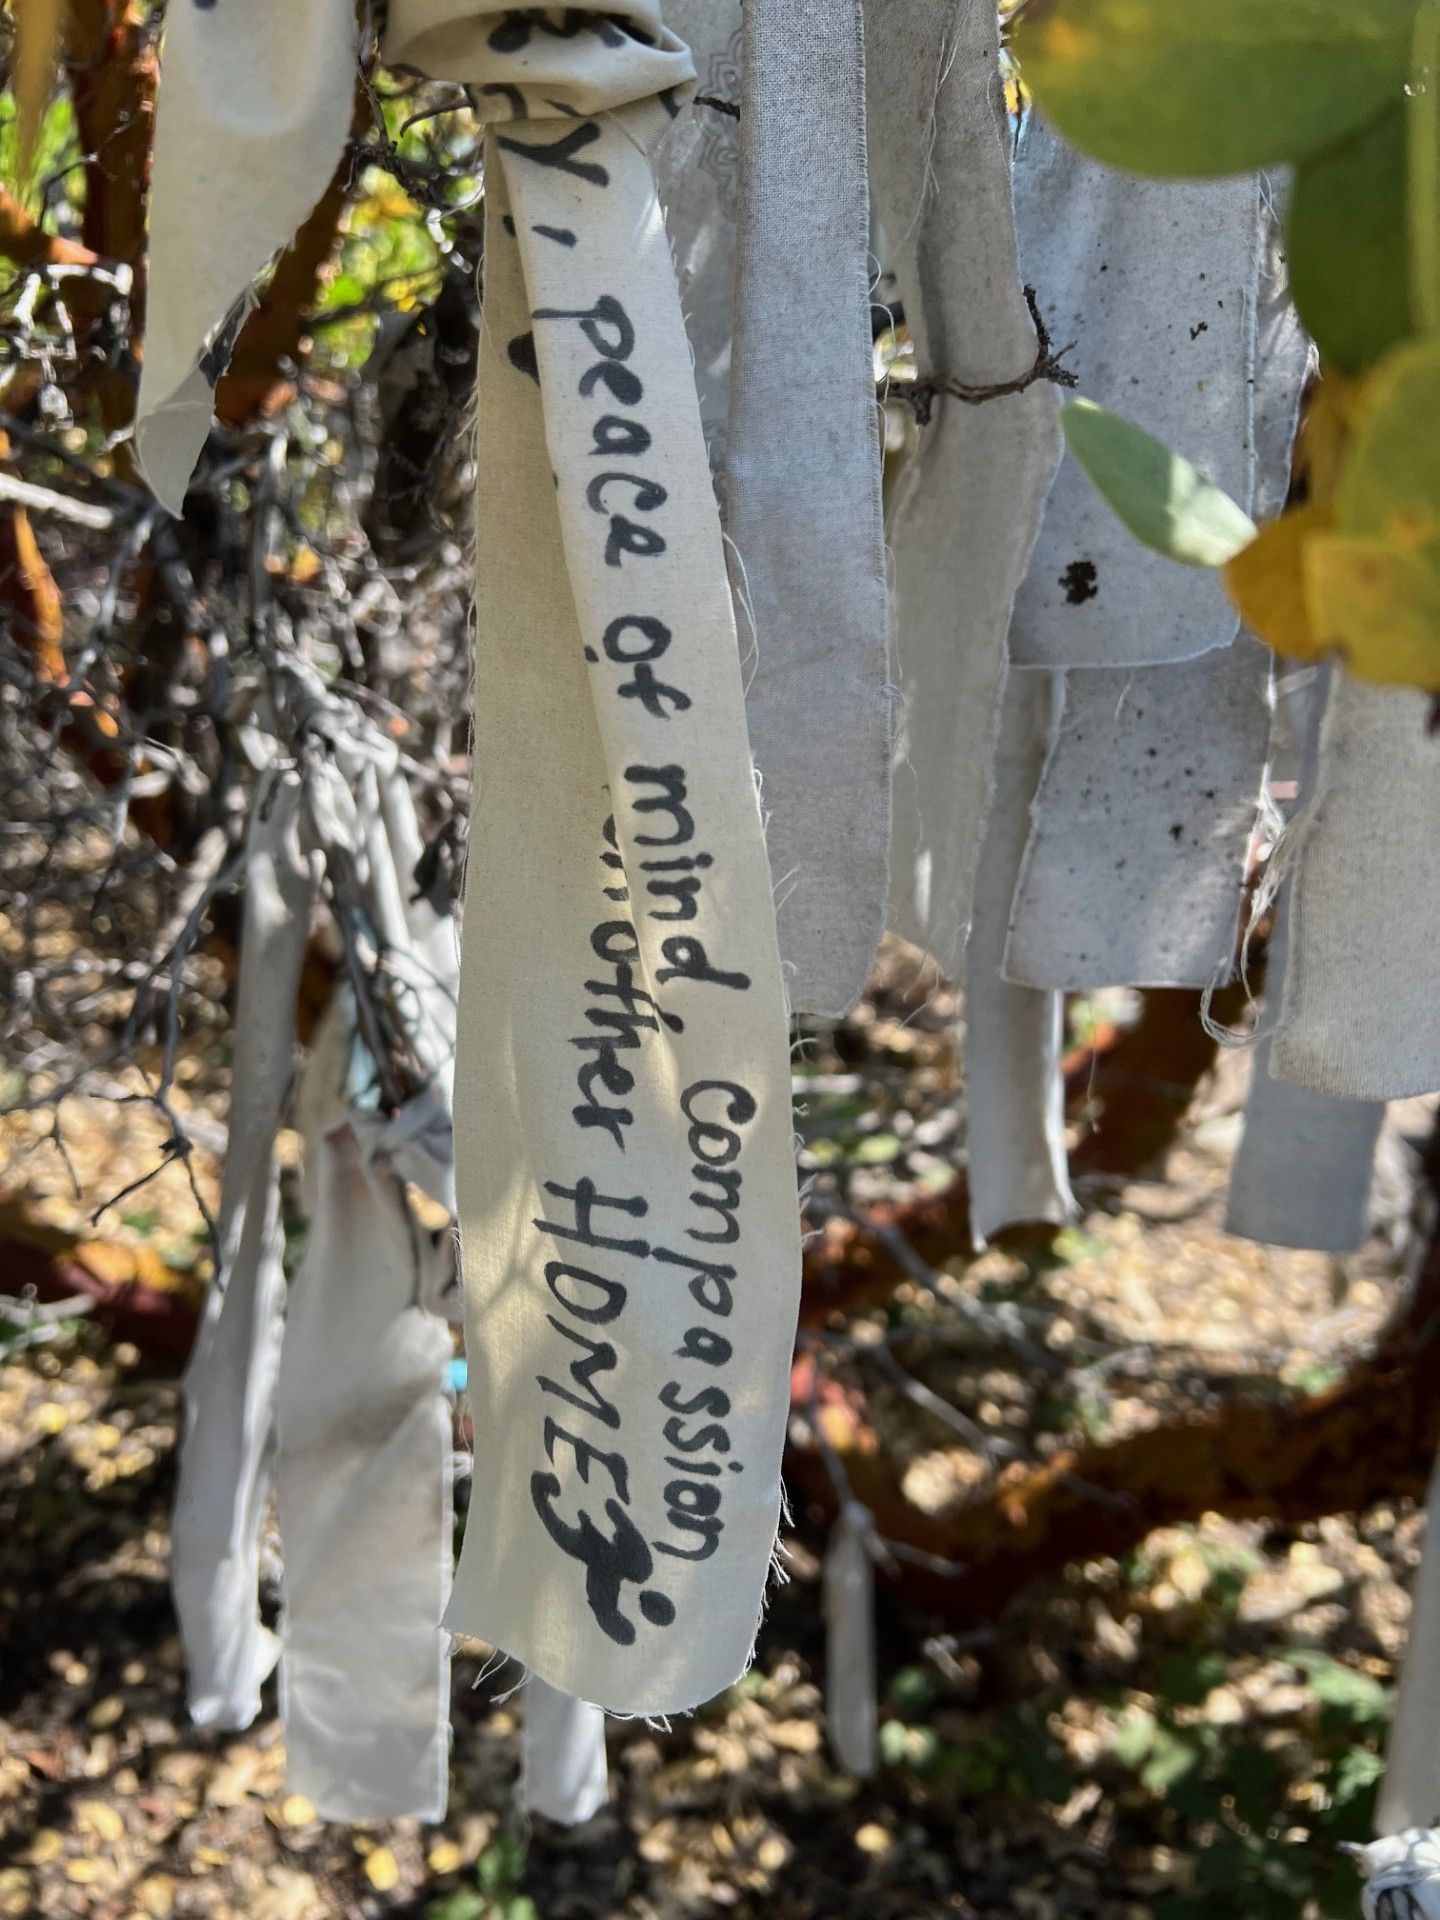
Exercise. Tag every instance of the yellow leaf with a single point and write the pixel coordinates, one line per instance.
(1378, 605)
(445, 1857)
(1266, 581)
(381, 1869)
(37, 41)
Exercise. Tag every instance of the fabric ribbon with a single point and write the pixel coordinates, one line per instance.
(229, 1388)
(1014, 1036)
(1303, 1171)
(1358, 1015)
(1152, 285)
(626, 1186)
(563, 1772)
(803, 492)
(848, 1598)
(1135, 868)
(965, 511)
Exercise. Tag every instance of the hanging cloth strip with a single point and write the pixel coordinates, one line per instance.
(1135, 867)
(1155, 282)
(1359, 1017)
(626, 1183)
(363, 1484)
(848, 1590)
(224, 1478)
(1014, 1036)
(966, 509)
(1302, 1174)
(250, 124)
(1136, 861)
(563, 1773)
(803, 493)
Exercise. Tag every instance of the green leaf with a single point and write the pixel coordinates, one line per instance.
(1194, 87)
(1164, 501)
(1345, 240)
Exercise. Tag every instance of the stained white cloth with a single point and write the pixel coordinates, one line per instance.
(965, 511)
(363, 1482)
(1014, 1036)
(250, 125)
(848, 1585)
(1136, 863)
(563, 1773)
(229, 1386)
(626, 1185)
(1136, 860)
(803, 493)
(1359, 1015)
(1153, 286)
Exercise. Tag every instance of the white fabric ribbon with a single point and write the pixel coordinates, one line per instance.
(1359, 1016)
(229, 1386)
(803, 492)
(1014, 1036)
(250, 124)
(965, 511)
(1153, 284)
(363, 1480)
(1302, 1174)
(1135, 868)
(848, 1582)
(563, 1773)
(627, 1200)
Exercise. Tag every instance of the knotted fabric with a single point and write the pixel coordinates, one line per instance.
(625, 1181)
(626, 1187)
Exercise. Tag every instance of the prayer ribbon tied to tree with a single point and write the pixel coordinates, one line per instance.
(625, 1178)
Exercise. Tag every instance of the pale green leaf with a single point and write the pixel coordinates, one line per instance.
(1164, 501)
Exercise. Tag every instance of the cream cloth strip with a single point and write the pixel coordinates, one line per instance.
(254, 106)
(363, 1484)
(965, 512)
(1014, 1036)
(626, 1185)
(563, 1773)
(224, 1478)
(1359, 1016)
(803, 493)
(1302, 1174)
(1155, 283)
(1136, 860)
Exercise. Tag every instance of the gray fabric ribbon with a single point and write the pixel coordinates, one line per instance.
(229, 1387)
(803, 490)
(965, 512)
